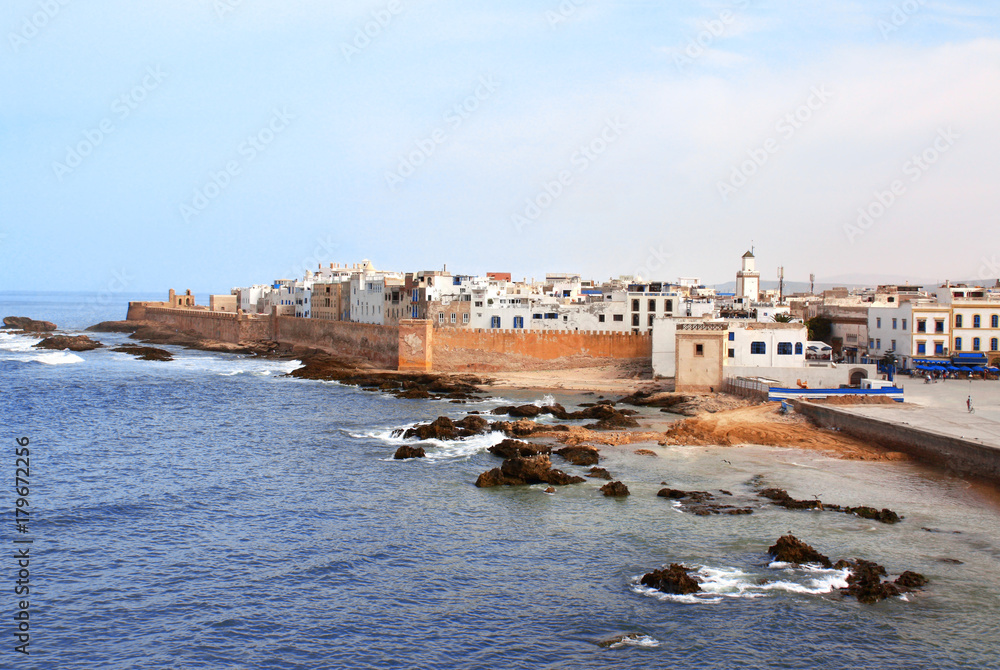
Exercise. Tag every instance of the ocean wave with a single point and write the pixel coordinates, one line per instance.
(718, 584)
(57, 358)
(437, 450)
(18, 343)
(645, 641)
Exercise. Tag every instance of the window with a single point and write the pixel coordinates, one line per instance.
(784, 348)
(958, 320)
(732, 336)
(651, 317)
(536, 316)
(993, 344)
(617, 317)
(551, 315)
(465, 318)
(893, 346)
(975, 344)
(600, 318)
(440, 317)
(995, 321)
(921, 347)
(938, 325)
(668, 306)
(798, 348)
(976, 322)
(871, 344)
(652, 305)
(454, 317)
(519, 322)
(904, 324)
(878, 342)
(699, 350)
(494, 322)
(939, 348)
(894, 324)
(878, 321)
(479, 303)
(922, 326)
(635, 319)
(635, 305)
(958, 344)
(758, 348)
(732, 353)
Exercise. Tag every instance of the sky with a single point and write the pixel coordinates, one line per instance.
(208, 144)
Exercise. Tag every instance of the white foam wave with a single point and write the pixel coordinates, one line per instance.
(546, 401)
(645, 641)
(227, 365)
(18, 343)
(57, 358)
(730, 582)
(437, 450)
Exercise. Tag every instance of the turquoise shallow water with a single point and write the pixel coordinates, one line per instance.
(211, 513)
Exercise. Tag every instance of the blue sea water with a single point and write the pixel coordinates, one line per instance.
(210, 512)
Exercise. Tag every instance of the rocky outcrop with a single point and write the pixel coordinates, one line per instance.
(614, 490)
(115, 327)
(790, 549)
(145, 353)
(703, 503)
(911, 580)
(530, 470)
(781, 498)
(408, 451)
(72, 343)
(599, 473)
(580, 455)
(883, 515)
(516, 448)
(28, 325)
(675, 579)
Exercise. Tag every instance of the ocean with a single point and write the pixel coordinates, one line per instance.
(211, 512)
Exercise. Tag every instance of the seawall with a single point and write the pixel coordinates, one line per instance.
(467, 349)
(952, 453)
(414, 345)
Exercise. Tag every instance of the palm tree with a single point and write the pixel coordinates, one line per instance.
(782, 318)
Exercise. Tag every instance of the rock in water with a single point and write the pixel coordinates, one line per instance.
(513, 448)
(884, 515)
(61, 342)
(530, 470)
(790, 549)
(614, 490)
(145, 353)
(406, 451)
(911, 580)
(28, 325)
(674, 579)
(581, 455)
(599, 473)
(865, 582)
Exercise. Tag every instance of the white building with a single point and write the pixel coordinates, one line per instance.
(748, 280)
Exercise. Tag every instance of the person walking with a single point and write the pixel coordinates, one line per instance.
(968, 404)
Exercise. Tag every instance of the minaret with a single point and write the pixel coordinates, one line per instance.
(748, 280)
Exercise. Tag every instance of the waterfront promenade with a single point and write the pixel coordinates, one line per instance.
(933, 425)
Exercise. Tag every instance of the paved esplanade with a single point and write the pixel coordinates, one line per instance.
(941, 408)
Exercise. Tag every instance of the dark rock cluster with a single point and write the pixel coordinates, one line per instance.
(614, 490)
(70, 342)
(608, 418)
(675, 579)
(781, 498)
(703, 503)
(526, 470)
(145, 353)
(865, 579)
(24, 324)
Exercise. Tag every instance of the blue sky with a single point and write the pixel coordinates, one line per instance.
(202, 144)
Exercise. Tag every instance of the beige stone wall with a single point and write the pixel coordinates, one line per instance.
(699, 370)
